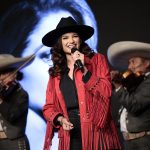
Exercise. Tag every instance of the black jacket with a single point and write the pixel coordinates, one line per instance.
(137, 103)
(13, 112)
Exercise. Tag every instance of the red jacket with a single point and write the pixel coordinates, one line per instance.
(94, 104)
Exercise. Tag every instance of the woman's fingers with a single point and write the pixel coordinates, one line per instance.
(66, 124)
(77, 55)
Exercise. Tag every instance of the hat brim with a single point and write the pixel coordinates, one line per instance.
(84, 31)
(16, 63)
(119, 53)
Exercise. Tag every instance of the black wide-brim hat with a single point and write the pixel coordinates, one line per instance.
(64, 26)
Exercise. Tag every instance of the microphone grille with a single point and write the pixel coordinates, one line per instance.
(73, 49)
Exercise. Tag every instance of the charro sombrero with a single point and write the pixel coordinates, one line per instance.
(8, 61)
(67, 25)
(119, 53)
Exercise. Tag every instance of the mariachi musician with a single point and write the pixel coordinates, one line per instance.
(13, 103)
(134, 97)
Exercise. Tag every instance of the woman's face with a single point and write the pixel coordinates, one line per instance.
(70, 40)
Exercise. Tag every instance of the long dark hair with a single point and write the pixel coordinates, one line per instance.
(59, 57)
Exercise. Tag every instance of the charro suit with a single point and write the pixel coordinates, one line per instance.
(13, 117)
(137, 103)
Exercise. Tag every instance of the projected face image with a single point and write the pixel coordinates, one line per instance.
(23, 28)
(37, 73)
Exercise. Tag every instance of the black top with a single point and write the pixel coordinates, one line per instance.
(69, 91)
(68, 88)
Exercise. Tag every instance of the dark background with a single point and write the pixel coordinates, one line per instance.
(119, 21)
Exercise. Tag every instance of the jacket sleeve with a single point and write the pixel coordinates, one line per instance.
(136, 101)
(50, 110)
(100, 80)
(99, 89)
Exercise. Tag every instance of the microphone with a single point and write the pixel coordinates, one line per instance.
(78, 62)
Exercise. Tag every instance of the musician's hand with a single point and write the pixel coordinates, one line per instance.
(116, 78)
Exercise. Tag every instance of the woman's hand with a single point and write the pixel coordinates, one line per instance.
(77, 55)
(65, 123)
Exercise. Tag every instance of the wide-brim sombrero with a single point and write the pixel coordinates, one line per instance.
(120, 52)
(8, 61)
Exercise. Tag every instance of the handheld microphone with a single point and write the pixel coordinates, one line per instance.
(78, 62)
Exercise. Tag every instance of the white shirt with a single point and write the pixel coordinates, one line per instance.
(123, 120)
(1, 129)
